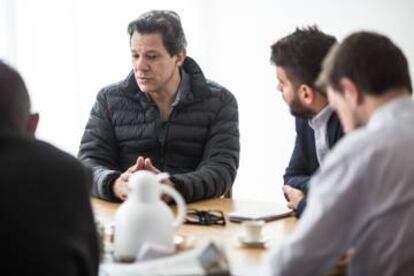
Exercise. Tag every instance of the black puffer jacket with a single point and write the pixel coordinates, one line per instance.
(201, 146)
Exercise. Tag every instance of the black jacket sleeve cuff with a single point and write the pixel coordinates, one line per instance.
(301, 207)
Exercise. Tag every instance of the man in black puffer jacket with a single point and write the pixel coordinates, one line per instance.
(165, 116)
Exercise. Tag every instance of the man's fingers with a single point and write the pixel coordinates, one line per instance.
(120, 188)
(140, 162)
(148, 164)
(287, 190)
(133, 169)
(125, 176)
(139, 165)
(150, 167)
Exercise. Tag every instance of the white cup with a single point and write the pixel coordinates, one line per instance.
(252, 230)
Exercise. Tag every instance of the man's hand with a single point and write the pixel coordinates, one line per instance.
(120, 187)
(294, 196)
(150, 167)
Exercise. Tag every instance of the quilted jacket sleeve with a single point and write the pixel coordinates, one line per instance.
(216, 172)
(98, 149)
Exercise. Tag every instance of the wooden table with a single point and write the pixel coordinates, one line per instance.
(241, 259)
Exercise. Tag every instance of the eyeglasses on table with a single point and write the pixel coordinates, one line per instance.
(205, 217)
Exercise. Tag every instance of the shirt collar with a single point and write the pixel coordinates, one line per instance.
(321, 118)
(184, 86)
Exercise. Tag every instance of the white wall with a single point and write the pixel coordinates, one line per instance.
(7, 34)
(68, 50)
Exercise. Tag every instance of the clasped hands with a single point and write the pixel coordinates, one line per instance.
(294, 196)
(120, 186)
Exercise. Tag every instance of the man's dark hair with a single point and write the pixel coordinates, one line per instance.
(372, 61)
(166, 23)
(301, 54)
(14, 100)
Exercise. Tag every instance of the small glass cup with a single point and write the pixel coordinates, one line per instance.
(252, 230)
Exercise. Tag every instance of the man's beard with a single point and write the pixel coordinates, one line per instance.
(298, 110)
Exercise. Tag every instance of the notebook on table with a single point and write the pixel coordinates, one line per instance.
(273, 212)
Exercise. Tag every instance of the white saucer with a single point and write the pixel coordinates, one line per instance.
(183, 242)
(259, 243)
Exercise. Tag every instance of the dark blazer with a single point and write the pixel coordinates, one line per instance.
(304, 162)
(47, 225)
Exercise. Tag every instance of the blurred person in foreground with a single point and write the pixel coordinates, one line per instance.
(46, 216)
(363, 197)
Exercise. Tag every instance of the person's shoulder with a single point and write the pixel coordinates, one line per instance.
(206, 87)
(43, 154)
(301, 122)
(216, 88)
(356, 143)
(22, 152)
(219, 91)
(125, 85)
(41, 146)
(302, 126)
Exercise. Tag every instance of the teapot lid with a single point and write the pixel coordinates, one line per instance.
(144, 185)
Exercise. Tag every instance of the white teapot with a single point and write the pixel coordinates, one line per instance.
(144, 218)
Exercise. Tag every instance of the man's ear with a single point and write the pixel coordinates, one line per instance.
(181, 57)
(32, 122)
(351, 92)
(306, 94)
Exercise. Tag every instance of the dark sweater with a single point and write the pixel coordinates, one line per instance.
(47, 225)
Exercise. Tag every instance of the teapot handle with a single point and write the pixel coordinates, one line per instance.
(181, 207)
